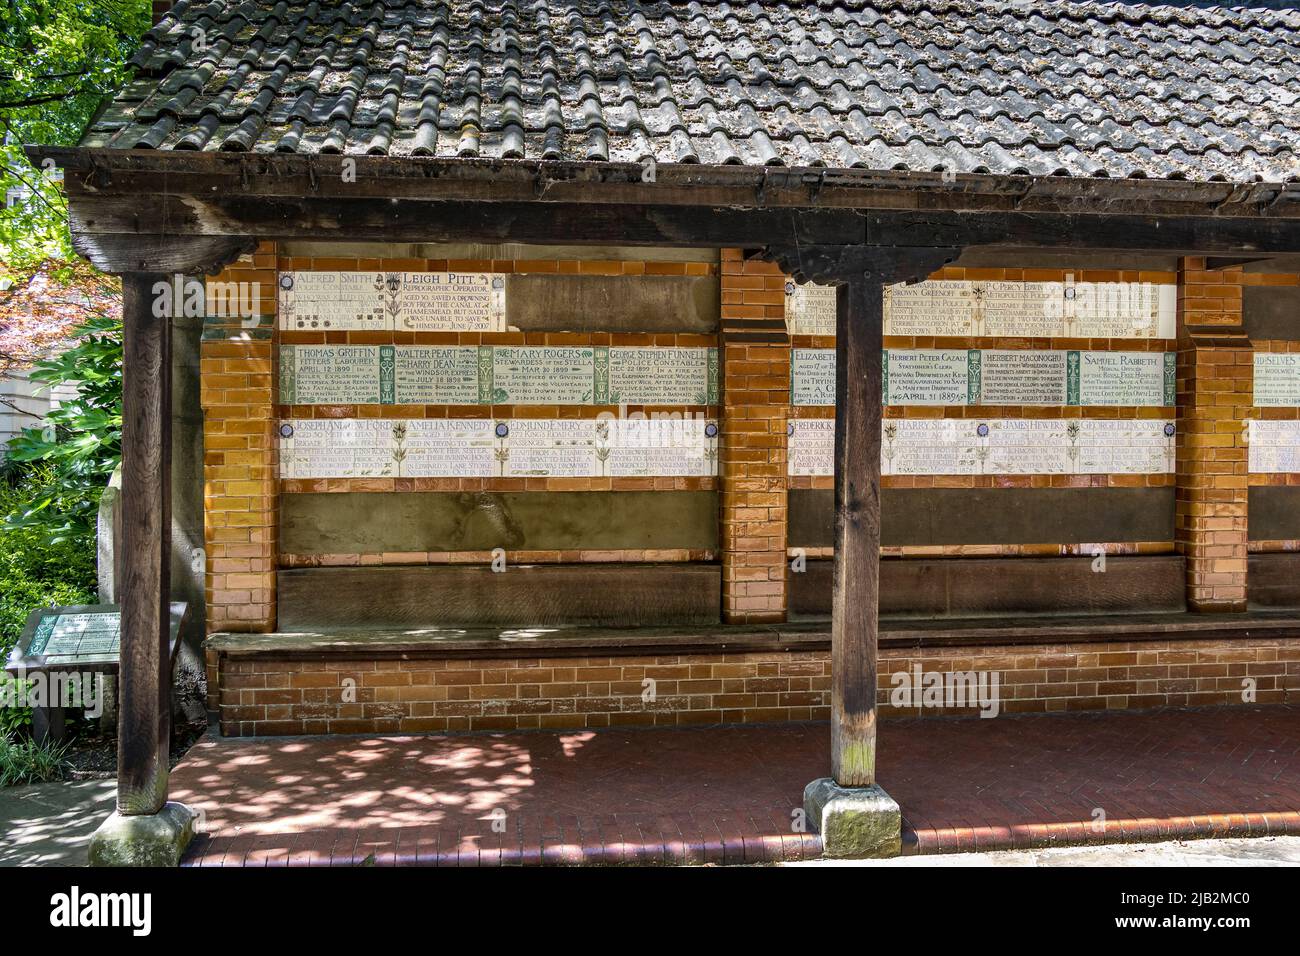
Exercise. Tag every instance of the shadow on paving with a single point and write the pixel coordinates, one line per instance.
(727, 794)
(689, 795)
(49, 824)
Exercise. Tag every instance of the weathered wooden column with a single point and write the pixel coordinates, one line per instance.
(855, 816)
(145, 829)
(144, 719)
(855, 588)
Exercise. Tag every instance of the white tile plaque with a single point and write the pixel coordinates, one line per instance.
(1122, 310)
(447, 447)
(810, 446)
(651, 446)
(543, 375)
(929, 447)
(452, 302)
(1275, 447)
(337, 448)
(1023, 446)
(933, 307)
(1032, 309)
(1022, 309)
(436, 375)
(1022, 377)
(927, 376)
(321, 301)
(1277, 379)
(654, 447)
(1005, 446)
(550, 448)
(1123, 447)
(329, 374)
(812, 376)
(661, 376)
(392, 301)
(809, 309)
(1126, 378)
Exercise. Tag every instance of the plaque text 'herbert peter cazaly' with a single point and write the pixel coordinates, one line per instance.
(1140, 310)
(393, 301)
(999, 377)
(497, 375)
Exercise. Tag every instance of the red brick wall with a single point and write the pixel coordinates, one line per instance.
(270, 697)
(591, 267)
(240, 467)
(1215, 397)
(752, 457)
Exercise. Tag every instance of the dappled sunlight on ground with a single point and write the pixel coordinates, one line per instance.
(343, 795)
(734, 794)
(49, 824)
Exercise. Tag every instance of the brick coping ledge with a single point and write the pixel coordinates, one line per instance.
(803, 635)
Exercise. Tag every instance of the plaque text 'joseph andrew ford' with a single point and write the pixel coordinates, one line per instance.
(667, 446)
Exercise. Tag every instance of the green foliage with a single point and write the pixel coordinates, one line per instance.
(35, 229)
(57, 472)
(79, 444)
(25, 761)
(13, 720)
(58, 59)
(34, 571)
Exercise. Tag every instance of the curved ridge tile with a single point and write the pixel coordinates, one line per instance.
(1075, 88)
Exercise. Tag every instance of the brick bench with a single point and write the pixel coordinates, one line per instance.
(437, 680)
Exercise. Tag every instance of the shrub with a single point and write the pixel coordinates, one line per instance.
(36, 571)
(78, 444)
(52, 480)
(15, 719)
(26, 761)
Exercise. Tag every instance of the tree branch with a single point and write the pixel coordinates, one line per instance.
(40, 100)
(36, 191)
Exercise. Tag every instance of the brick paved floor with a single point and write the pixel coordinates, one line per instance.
(726, 794)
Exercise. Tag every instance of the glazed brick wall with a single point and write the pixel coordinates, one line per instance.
(755, 357)
(957, 273)
(626, 268)
(242, 487)
(240, 468)
(265, 696)
(1215, 398)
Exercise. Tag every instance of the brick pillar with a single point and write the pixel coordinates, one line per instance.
(1215, 385)
(240, 466)
(756, 397)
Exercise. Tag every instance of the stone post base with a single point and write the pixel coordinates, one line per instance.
(855, 822)
(156, 839)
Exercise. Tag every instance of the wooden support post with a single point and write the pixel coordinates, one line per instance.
(144, 723)
(855, 816)
(856, 585)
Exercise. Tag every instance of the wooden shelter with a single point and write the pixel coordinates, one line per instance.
(857, 145)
